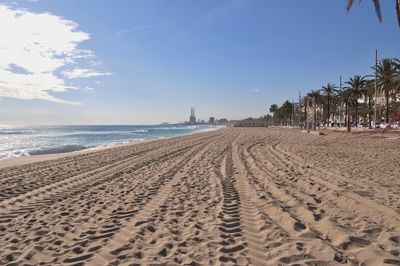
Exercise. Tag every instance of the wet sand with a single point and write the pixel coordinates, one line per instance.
(227, 197)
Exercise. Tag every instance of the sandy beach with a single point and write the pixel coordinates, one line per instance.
(227, 197)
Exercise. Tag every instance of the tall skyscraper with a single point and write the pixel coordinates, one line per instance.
(192, 118)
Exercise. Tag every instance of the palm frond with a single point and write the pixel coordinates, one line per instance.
(378, 9)
(377, 6)
(349, 5)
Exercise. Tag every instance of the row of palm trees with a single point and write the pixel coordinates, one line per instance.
(332, 102)
(282, 115)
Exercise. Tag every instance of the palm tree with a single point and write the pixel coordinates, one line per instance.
(397, 63)
(369, 92)
(329, 91)
(303, 105)
(345, 95)
(356, 84)
(388, 80)
(336, 102)
(272, 109)
(316, 95)
(287, 111)
(378, 8)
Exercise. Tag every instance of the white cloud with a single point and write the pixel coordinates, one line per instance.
(84, 73)
(255, 90)
(34, 48)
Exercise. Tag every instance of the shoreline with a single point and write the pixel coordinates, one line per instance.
(17, 161)
(22, 160)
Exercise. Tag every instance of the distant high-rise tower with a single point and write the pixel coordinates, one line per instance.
(192, 118)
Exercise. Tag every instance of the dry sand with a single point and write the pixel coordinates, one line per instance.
(228, 197)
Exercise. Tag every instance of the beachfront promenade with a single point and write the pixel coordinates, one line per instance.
(245, 196)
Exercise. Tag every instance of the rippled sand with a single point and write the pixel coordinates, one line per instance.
(227, 197)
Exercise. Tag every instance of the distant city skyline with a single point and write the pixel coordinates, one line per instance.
(147, 62)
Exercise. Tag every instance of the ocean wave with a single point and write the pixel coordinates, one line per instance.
(13, 154)
(15, 132)
(140, 131)
(8, 127)
(58, 149)
(67, 134)
(83, 134)
(114, 144)
(111, 132)
(90, 133)
(178, 127)
(208, 129)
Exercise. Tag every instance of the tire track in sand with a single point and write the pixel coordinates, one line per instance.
(299, 193)
(182, 230)
(241, 224)
(108, 230)
(13, 207)
(16, 181)
(124, 239)
(71, 182)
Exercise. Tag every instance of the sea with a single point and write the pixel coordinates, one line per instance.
(17, 141)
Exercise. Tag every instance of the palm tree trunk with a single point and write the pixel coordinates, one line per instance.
(369, 112)
(387, 107)
(315, 119)
(357, 111)
(305, 118)
(328, 112)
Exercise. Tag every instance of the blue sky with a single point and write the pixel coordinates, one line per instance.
(149, 61)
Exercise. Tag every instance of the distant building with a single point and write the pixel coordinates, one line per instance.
(192, 118)
(222, 121)
(250, 122)
(211, 120)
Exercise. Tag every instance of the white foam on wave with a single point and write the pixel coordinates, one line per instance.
(141, 131)
(208, 129)
(13, 154)
(113, 144)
